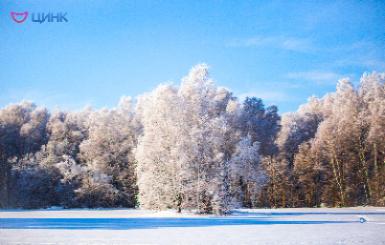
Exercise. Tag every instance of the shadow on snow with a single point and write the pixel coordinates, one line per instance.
(245, 213)
(143, 223)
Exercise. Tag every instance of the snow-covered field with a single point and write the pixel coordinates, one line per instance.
(244, 226)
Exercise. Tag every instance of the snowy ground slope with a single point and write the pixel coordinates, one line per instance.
(244, 226)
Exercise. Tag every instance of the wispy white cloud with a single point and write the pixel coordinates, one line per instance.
(297, 44)
(282, 42)
(370, 63)
(320, 77)
(375, 64)
(364, 54)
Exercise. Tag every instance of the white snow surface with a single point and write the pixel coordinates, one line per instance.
(243, 226)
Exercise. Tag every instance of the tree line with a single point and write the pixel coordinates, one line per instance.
(195, 146)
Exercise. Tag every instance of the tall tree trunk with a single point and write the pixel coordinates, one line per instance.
(337, 177)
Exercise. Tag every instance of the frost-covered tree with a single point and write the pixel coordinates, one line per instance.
(22, 133)
(343, 155)
(311, 175)
(339, 134)
(188, 137)
(107, 157)
(372, 95)
(247, 174)
(194, 146)
(158, 169)
(205, 149)
(296, 128)
(261, 125)
(66, 131)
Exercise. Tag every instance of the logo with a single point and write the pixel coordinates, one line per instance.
(19, 17)
(40, 17)
(49, 17)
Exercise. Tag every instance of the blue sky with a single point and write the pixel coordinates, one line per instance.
(281, 51)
